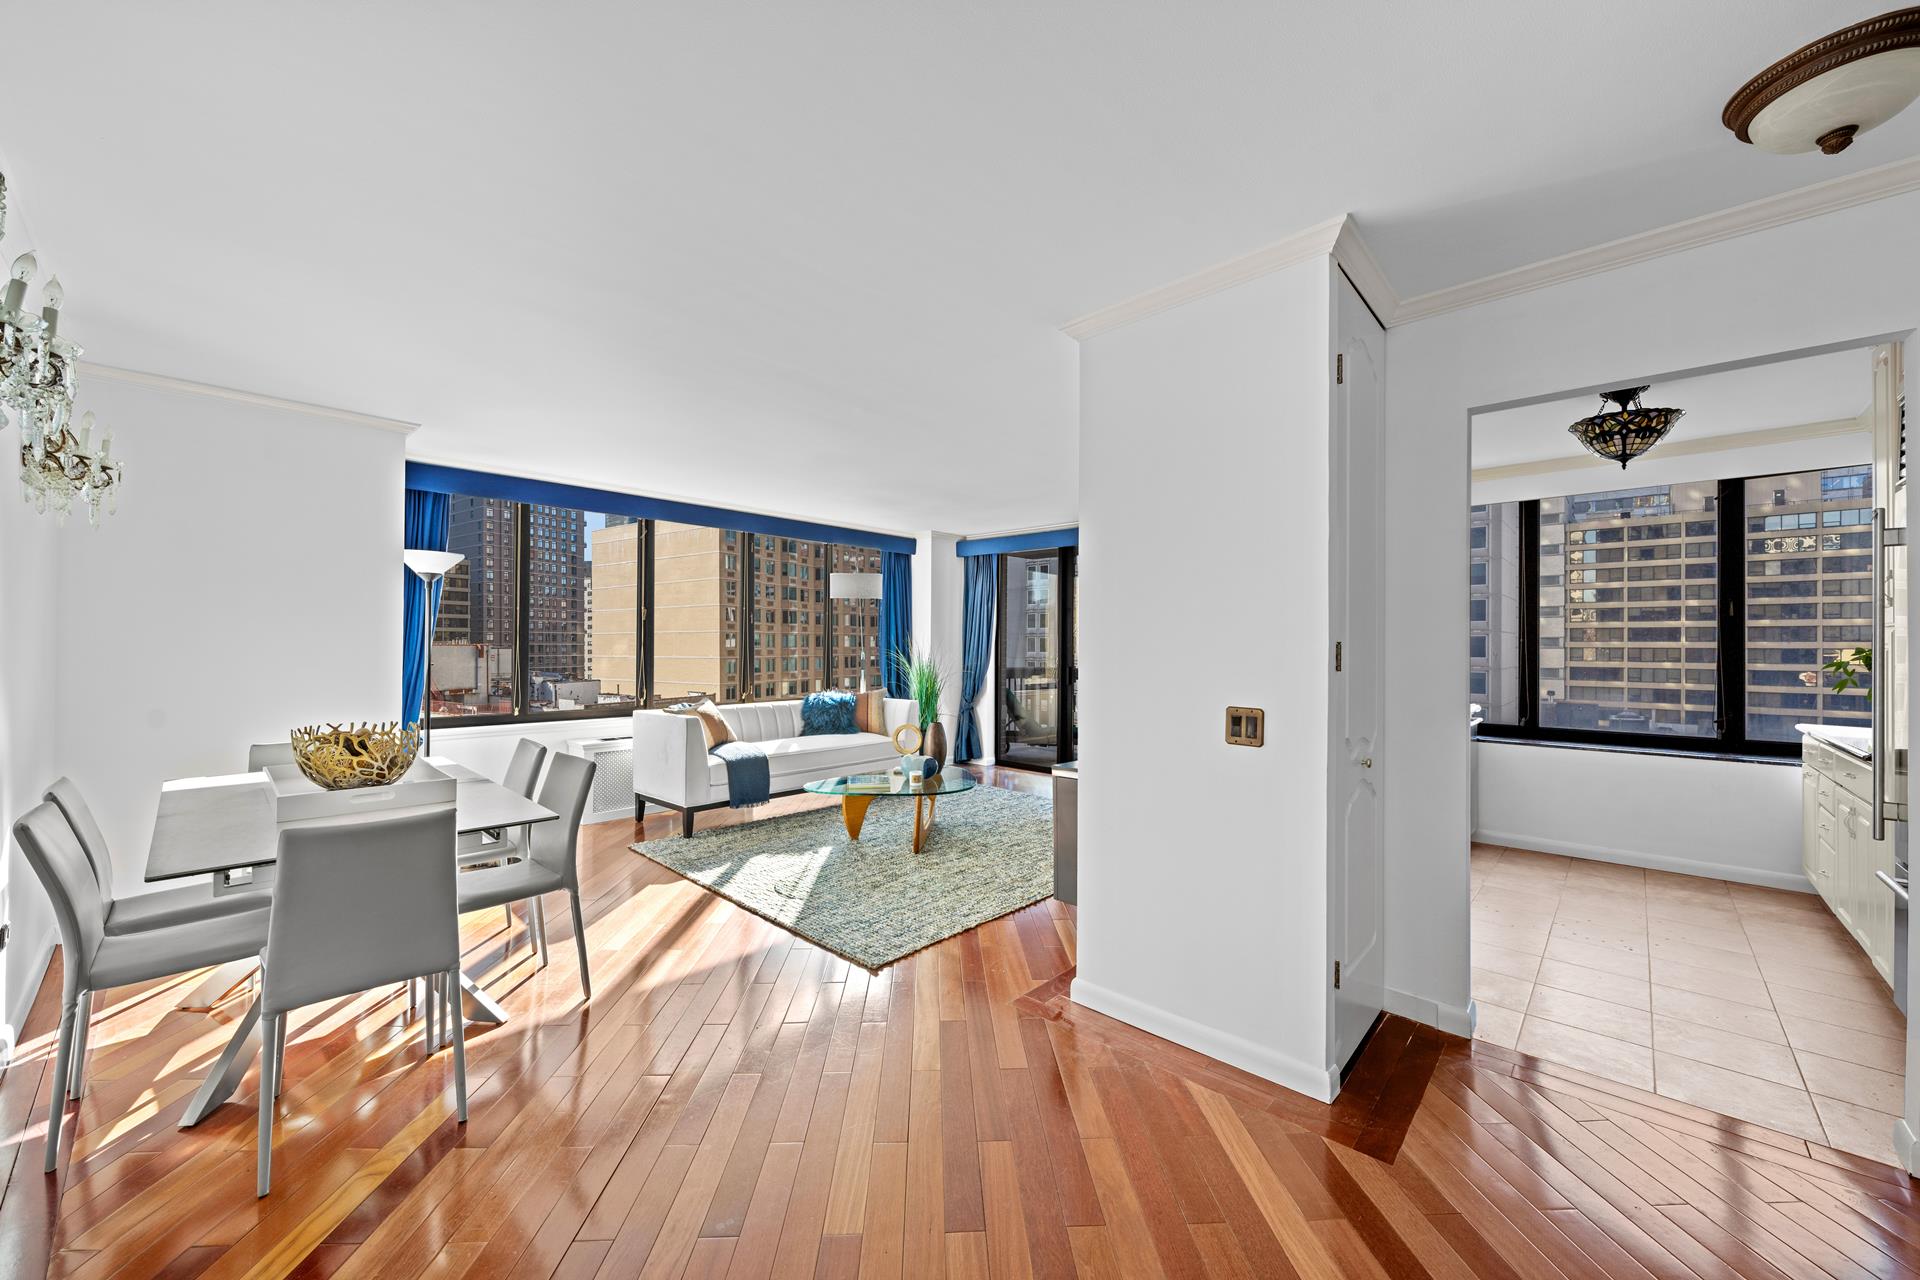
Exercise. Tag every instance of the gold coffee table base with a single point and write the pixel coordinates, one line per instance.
(853, 811)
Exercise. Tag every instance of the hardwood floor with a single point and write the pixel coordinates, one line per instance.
(736, 1103)
(1746, 1000)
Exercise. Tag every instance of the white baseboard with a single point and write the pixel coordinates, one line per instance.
(1903, 1147)
(1792, 880)
(1454, 1019)
(1316, 1082)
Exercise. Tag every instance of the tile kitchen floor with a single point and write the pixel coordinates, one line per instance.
(1748, 1001)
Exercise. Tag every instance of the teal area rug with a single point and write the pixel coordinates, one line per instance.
(873, 900)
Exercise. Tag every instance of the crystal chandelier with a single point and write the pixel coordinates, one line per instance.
(57, 465)
(1626, 431)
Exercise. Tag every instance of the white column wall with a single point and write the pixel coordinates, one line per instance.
(1204, 484)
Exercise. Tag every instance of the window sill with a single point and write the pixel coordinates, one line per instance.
(571, 726)
(1635, 749)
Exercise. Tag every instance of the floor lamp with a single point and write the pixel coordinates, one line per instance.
(429, 567)
(856, 586)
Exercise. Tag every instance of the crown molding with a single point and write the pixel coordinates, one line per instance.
(1351, 252)
(1340, 238)
(162, 382)
(1759, 215)
(1681, 448)
(1315, 241)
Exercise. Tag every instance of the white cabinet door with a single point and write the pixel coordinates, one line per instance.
(1810, 824)
(1839, 855)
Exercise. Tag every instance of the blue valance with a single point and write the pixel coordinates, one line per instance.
(1041, 541)
(485, 484)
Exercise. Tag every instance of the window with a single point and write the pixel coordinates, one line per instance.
(471, 672)
(698, 605)
(1645, 607)
(603, 613)
(1493, 619)
(856, 623)
(1651, 526)
(1785, 683)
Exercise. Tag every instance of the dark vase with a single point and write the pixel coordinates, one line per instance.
(933, 743)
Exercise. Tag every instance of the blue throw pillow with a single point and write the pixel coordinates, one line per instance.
(829, 712)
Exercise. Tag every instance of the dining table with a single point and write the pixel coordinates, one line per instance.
(226, 827)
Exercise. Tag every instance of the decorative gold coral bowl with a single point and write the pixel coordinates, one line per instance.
(346, 757)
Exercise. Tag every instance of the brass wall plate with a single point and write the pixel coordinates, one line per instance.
(1246, 727)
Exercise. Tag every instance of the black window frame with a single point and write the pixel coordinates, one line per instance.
(1066, 744)
(644, 699)
(1730, 737)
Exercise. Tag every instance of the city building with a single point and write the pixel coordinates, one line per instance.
(1629, 606)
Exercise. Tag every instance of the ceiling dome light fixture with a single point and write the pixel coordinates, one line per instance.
(1833, 90)
(1624, 433)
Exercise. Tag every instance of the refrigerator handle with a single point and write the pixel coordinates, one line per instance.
(1883, 537)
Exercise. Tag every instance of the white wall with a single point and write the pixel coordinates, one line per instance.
(1814, 453)
(250, 583)
(29, 675)
(1836, 278)
(1732, 819)
(1203, 894)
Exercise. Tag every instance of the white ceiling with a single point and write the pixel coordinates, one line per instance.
(1786, 393)
(813, 257)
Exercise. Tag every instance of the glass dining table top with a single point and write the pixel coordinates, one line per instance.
(894, 783)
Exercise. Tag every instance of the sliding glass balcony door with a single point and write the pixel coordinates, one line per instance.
(1036, 724)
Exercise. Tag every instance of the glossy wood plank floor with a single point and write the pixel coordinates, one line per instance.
(735, 1103)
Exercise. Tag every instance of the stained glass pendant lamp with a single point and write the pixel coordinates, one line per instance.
(1627, 430)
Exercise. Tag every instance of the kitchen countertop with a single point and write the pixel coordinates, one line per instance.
(1855, 742)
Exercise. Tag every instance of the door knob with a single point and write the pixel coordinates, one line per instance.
(1367, 763)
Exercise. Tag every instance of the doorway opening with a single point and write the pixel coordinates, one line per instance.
(1687, 687)
(1036, 724)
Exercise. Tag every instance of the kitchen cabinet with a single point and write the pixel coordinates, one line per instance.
(1838, 850)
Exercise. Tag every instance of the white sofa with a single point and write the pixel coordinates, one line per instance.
(672, 770)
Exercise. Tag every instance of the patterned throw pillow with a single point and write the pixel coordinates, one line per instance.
(870, 712)
(713, 725)
(829, 712)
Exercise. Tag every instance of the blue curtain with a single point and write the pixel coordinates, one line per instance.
(976, 649)
(896, 618)
(426, 531)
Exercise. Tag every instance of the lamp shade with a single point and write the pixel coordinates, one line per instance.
(854, 586)
(431, 564)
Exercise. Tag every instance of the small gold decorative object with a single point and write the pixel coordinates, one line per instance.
(906, 739)
(347, 757)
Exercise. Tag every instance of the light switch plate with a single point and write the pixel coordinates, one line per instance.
(1246, 727)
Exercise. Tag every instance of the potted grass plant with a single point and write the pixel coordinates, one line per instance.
(926, 681)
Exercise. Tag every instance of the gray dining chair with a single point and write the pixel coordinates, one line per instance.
(523, 771)
(521, 778)
(154, 910)
(92, 959)
(262, 754)
(157, 910)
(548, 860)
(359, 902)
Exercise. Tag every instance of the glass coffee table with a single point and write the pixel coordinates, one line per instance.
(858, 791)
